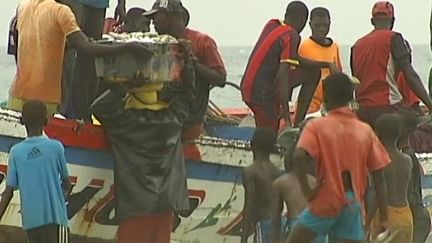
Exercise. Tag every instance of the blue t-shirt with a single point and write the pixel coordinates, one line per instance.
(36, 168)
(95, 3)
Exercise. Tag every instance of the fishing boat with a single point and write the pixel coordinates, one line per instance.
(215, 186)
(214, 182)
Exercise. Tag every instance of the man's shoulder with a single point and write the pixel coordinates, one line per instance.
(195, 34)
(54, 143)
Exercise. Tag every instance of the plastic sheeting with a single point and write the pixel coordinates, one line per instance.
(149, 172)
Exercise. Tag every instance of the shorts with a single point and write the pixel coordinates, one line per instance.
(263, 230)
(267, 115)
(290, 225)
(348, 225)
(146, 229)
(17, 104)
(401, 221)
(52, 233)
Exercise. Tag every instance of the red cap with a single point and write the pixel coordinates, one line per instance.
(383, 9)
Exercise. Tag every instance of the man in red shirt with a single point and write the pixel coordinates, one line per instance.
(409, 98)
(271, 73)
(171, 17)
(336, 204)
(376, 60)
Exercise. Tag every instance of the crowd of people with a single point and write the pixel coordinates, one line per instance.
(352, 176)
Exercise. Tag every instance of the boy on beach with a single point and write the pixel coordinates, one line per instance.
(37, 168)
(336, 205)
(286, 189)
(257, 181)
(421, 218)
(397, 176)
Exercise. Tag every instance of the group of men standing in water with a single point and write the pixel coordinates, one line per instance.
(353, 175)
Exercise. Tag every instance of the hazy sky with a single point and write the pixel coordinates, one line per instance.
(238, 22)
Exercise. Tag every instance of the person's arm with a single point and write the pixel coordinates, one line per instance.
(79, 41)
(120, 11)
(277, 207)
(209, 65)
(416, 85)
(6, 197)
(430, 82)
(283, 91)
(64, 172)
(401, 53)
(430, 30)
(249, 204)
(305, 155)
(214, 77)
(302, 160)
(11, 183)
(339, 60)
(380, 194)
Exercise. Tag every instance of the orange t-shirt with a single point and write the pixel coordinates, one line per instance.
(311, 50)
(341, 143)
(43, 26)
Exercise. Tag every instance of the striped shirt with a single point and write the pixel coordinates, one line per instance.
(277, 42)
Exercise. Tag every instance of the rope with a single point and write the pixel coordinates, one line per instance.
(217, 115)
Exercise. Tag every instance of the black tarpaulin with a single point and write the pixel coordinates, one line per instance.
(149, 174)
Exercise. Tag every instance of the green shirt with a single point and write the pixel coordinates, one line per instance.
(95, 3)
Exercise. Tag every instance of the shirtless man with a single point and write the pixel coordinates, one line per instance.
(257, 181)
(421, 218)
(286, 189)
(397, 176)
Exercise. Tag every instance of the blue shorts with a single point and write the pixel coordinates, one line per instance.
(348, 225)
(290, 225)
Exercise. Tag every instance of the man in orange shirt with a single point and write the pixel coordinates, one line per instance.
(321, 48)
(43, 27)
(335, 205)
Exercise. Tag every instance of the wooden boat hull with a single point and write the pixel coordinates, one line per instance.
(214, 182)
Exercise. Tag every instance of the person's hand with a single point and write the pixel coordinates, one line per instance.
(312, 189)
(285, 117)
(139, 49)
(333, 68)
(120, 12)
(187, 50)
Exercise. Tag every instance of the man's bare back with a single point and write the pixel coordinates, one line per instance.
(262, 175)
(288, 189)
(397, 176)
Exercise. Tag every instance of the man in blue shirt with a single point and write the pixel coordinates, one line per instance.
(79, 77)
(37, 168)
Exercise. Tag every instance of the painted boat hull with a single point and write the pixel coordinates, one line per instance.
(215, 186)
(215, 183)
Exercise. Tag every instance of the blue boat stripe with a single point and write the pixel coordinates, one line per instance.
(198, 170)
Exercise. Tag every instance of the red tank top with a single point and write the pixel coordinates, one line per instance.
(373, 65)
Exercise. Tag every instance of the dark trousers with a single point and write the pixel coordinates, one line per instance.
(80, 82)
(52, 233)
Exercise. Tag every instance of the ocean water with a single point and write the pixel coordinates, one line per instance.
(235, 59)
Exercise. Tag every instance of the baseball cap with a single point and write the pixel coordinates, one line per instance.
(165, 5)
(383, 9)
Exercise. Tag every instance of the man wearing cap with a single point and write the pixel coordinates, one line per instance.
(275, 68)
(171, 17)
(376, 60)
